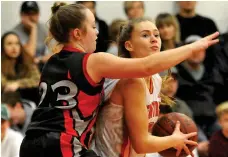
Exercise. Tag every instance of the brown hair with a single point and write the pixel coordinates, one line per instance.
(65, 18)
(11, 98)
(168, 19)
(125, 35)
(23, 61)
(128, 5)
(115, 27)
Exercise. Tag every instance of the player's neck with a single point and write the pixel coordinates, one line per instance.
(76, 46)
(187, 13)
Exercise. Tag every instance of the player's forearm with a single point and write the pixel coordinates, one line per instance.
(30, 46)
(137, 67)
(161, 61)
(155, 144)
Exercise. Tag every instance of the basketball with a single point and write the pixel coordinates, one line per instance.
(166, 125)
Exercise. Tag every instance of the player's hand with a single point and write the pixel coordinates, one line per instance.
(202, 44)
(182, 139)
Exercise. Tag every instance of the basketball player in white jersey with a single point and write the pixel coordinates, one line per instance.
(125, 122)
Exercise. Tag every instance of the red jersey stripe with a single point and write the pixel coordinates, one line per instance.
(65, 145)
(125, 150)
(68, 75)
(94, 84)
(83, 136)
(87, 104)
(68, 123)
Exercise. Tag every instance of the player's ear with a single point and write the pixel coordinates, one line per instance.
(128, 46)
(77, 33)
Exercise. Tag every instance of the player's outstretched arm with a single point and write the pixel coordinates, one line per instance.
(101, 65)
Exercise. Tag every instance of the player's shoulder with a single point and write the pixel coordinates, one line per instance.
(131, 88)
(64, 55)
(99, 57)
(100, 54)
(64, 59)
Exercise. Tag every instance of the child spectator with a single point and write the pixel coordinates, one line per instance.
(219, 140)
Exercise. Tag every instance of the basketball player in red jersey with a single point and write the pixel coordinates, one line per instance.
(124, 124)
(71, 84)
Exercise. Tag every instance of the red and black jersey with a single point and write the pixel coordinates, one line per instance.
(69, 98)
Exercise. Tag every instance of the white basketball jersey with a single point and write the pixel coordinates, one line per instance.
(111, 138)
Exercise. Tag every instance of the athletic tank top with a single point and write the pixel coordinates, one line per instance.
(111, 137)
(69, 101)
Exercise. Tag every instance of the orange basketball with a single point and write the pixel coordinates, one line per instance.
(166, 125)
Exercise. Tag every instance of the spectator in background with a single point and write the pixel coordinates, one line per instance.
(20, 111)
(171, 89)
(19, 73)
(219, 140)
(134, 9)
(197, 87)
(113, 33)
(222, 63)
(191, 23)
(168, 27)
(169, 32)
(10, 139)
(102, 27)
(32, 33)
